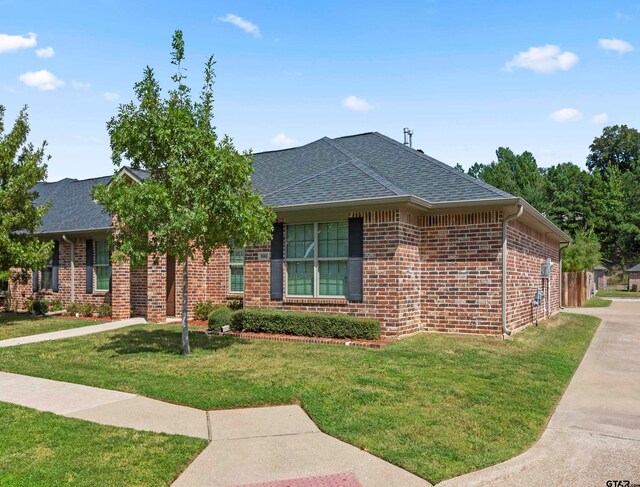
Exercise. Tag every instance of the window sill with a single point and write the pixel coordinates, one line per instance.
(317, 301)
(235, 295)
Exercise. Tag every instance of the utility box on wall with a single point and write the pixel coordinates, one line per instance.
(546, 269)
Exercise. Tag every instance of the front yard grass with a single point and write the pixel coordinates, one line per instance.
(597, 303)
(436, 405)
(614, 293)
(15, 325)
(42, 449)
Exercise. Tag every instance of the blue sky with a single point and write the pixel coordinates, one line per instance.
(466, 76)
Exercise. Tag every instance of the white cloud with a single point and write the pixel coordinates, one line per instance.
(43, 80)
(45, 52)
(617, 45)
(623, 16)
(79, 85)
(245, 25)
(10, 43)
(600, 119)
(281, 140)
(566, 115)
(356, 104)
(110, 96)
(544, 59)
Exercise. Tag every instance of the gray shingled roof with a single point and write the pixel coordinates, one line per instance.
(635, 268)
(355, 167)
(72, 207)
(361, 166)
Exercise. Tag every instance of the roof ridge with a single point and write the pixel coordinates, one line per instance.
(446, 166)
(365, 168)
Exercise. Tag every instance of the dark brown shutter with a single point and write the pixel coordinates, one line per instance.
(277, 257)
(356, 253)
(34, 281)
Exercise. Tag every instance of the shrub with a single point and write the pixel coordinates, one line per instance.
(634, 288)
(56, 305)
(39, 306)
(202, 309)
(73, 308)
(104, 310)
(305, 324)
(87, 309)
(234, 304)
(220, 317)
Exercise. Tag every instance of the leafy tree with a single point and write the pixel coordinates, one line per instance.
(618, 146)
(583, 254)
(517, 174)
(568, 195)
(21, 167)
(198, 196)
(458, 167)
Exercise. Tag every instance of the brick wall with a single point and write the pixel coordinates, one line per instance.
(461, 273)
(22, 292)
(390, 273)
(527, 251)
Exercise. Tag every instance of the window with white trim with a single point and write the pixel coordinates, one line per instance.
(102, 265)
(317, 257)
(236, 271)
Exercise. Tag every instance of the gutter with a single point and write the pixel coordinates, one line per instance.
(505, 221)
(414, 200)
(566, 244)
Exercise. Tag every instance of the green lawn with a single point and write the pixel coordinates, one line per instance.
(42, 449)
(14, 325)
(436, 405)
(597, 303)
(613, 293)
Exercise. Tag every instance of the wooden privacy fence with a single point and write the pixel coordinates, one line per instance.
(577, 287)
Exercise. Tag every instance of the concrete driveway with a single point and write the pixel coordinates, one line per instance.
(594, 434)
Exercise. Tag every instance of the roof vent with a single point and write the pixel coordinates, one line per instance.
(408, 135)
(420, 151)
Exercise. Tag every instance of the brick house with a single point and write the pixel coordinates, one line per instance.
(365, 226)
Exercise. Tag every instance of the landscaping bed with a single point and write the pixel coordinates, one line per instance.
(436, 405)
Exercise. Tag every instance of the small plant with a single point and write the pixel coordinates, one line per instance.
(235, 304)
(56, 305)
(202, 309)
(73, 308)
(634, 288)
(104, 310)
(220, 317)
(87, 309)
(39, 307)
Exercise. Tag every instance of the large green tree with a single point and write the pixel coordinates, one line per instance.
(517, 174)
(22, 165)
(568, 194)
(618, 146)
(198, 196)
(584, 254)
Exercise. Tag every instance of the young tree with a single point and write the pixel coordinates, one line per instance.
(198, 196)
(583, 254)
(21, 167)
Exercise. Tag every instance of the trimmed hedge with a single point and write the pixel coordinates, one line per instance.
(220, 317)
(305, 324)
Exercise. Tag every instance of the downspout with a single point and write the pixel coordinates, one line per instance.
(73, 267)
(566, 244)
(505, 221)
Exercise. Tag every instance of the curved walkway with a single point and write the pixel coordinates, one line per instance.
(282, 442)
(594, 434)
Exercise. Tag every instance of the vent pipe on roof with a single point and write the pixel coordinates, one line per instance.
(408, 135)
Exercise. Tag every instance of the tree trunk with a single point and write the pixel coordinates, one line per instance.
(186, 350)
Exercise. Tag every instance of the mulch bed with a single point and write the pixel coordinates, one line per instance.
(83, 318)
(381, 343)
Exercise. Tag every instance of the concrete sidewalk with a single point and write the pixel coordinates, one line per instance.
(594, 434)
(264, 445)
(281, 442)
(72, 332)
(103, 405)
